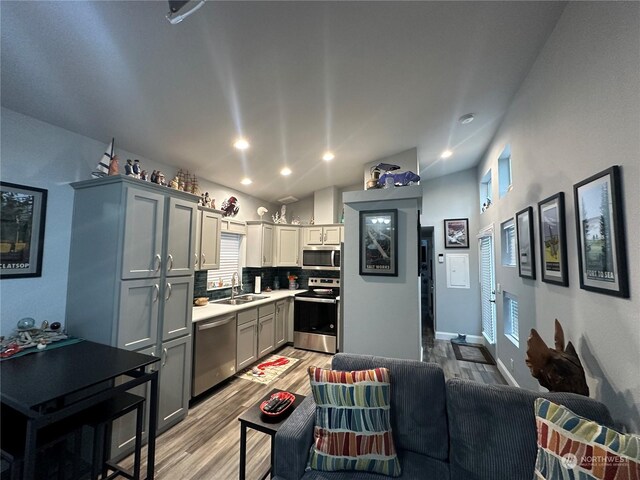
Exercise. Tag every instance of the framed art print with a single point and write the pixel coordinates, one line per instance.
(22, 217)
(600, 234)
(379, 242)
(526, 248)
(553, 240)
(456, 233)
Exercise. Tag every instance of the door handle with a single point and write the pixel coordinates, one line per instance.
(203, 259)
(157, 289)
(166, 354)
(169, 289)
(170, 262)
(195, 262)
(158, 259)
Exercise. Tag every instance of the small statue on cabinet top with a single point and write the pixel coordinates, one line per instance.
(282, 218)
(137, 171)
(230, 207)
(113, 166)
(154, 176)
(144, 176)
(160, 178)
(174, 183)
(128, 168)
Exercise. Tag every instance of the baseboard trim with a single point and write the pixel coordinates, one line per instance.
(470, 338)
(502, 368)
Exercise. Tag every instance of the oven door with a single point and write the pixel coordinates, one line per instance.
(315, 324)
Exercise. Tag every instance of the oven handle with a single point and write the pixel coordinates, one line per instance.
(314, 300)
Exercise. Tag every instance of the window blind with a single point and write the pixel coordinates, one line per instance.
(511, 328)
(509, 244)
(486, 278)
(229, 260)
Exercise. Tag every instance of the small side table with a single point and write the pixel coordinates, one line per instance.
(253, 418)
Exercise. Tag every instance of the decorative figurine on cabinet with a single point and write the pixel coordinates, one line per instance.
(113, 166)
(154, 176)
(230, 207)
(144, 176)
(137, 171)
(128, 168)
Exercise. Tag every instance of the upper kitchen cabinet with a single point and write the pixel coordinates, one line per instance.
(287, 246)
(208, 239)
(181, 231)
(322, 235)
(260, 244)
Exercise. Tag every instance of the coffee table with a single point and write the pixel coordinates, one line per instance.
(253, 418)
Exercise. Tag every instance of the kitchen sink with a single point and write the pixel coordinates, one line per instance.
(241, 300)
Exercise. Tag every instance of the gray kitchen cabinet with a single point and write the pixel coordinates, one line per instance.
(260, 244)
(247, 344)
(290, 305)
(280, 323)
(130, 281)
(287, 246)
(175, 382)
(178, 297)
(208, 239)
(322, 235)
(266, 337)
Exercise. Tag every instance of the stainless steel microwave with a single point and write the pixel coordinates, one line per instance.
(321, 258)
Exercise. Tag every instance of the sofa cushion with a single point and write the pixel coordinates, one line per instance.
(414, 467)
(352, 429)
(570, 445)
(418, 409)
(493, 429)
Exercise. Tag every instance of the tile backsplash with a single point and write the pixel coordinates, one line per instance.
(268, 275)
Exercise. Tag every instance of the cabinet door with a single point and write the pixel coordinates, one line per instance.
(210, 241)
(178, 307)
(281, 324)
(331, 235)
(287, 246)
(139, 309)
(266, 334)
(123, 433)
(175, 382)
(267, 246)
(290, 305)
(312, 235)
(247, 344)
(143, 229)
(181, 233)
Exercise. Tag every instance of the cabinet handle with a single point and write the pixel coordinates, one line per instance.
(195, 262)
(157, 289)
(324, 239)
(169, 262)
(166, 354)
(321, 237)
(264, 259)
(169, 288)
(203, 259)
(158, 259)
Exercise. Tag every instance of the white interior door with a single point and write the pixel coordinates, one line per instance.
(488, 288)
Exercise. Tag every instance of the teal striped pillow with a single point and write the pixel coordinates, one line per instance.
(353, 426)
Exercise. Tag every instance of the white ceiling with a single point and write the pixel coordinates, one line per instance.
(365, 79)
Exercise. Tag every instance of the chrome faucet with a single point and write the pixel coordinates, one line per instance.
(235, 282)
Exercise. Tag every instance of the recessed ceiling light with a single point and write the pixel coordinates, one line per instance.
(446, 154)
(241, 144)
(467, 118)
(246, 181)
(328, 156)
(285, 171)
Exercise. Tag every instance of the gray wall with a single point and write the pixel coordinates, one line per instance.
(38, 154)
(576, 114)
(454, 196)
(382, 314)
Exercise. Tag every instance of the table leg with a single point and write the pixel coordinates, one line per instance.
(243, 450)
(30, 451)
(153, 422)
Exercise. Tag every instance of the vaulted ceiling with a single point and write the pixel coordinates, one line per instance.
(362, 79)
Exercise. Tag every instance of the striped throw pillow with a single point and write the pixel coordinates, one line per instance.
(353, 427)
(572, 447)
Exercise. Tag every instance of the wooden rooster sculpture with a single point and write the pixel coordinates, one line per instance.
(559, 369)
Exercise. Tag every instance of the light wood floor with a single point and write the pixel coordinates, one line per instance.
(205, 446)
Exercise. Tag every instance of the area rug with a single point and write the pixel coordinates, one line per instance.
(471, 352)
(268, 369)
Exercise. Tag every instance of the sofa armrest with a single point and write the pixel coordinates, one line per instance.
(293, 441)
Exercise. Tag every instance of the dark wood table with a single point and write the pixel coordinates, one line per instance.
(56, 384)
(253, 418)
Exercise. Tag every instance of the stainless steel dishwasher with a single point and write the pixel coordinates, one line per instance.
(214, 353)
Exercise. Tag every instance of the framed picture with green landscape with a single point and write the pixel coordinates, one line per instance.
(22, 219)
(600, 234)
(553, 240)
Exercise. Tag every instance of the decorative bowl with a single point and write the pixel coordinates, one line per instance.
(201, 301)
(279, 396)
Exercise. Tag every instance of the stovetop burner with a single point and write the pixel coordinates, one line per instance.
(322, 288)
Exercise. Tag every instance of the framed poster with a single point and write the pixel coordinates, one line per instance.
(456, 233)
(525, 248)
(22, 220)
(553, 240)
(379, 242)
(600, 234)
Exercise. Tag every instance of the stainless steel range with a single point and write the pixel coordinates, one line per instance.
(316, 317)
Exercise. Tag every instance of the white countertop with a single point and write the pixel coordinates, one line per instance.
(216, 309)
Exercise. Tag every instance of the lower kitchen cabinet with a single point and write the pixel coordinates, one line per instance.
(281, 323)
(266, 343)
(247, 343)
(178, 299)
(175, 381)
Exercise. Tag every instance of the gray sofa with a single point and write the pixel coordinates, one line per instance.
(453, 430)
